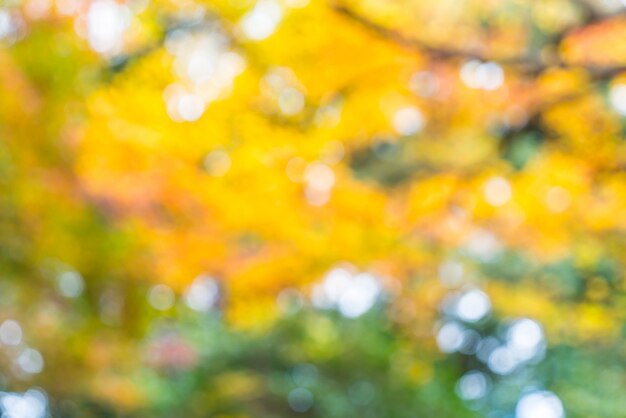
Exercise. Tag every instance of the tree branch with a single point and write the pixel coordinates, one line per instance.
(529, 64)
(436, 52)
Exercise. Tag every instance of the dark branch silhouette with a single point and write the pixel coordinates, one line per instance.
(528, 63)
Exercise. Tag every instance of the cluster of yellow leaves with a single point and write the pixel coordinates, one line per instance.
(251, 224)
(248, 221)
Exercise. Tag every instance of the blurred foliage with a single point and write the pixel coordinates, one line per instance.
(274, 208)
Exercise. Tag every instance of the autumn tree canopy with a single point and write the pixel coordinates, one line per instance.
(323, 208)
